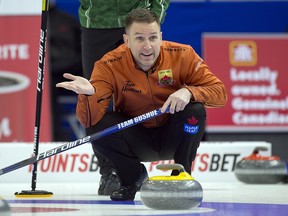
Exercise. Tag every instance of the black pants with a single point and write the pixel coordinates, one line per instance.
(95, 44)
(178, 139)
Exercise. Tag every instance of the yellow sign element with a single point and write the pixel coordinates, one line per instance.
(243, 53)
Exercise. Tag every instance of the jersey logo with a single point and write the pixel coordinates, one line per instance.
(165, 78)
(130, 87)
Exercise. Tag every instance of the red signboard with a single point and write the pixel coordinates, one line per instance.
(254, 69)
(19, 50)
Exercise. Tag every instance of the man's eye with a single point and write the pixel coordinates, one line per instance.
(139, 38)
(153, 38)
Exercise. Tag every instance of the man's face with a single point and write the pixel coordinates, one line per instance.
(144, 41)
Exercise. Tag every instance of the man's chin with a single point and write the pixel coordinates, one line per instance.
(147, 62)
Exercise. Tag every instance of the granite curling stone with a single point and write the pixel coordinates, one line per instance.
(171, 192)
(257, 169)
(4, 208)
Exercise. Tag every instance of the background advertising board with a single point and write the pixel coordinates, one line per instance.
(215, 162)
(254, 69)
(19, 53)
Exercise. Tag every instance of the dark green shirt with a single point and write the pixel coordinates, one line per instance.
(105, 14)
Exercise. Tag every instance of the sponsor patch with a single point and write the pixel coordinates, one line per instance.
(192, 121)
(191, 129)
(165, 77)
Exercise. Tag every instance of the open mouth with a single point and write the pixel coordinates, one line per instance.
(147, 55)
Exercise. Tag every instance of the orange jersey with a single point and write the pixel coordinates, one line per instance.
(136, 92)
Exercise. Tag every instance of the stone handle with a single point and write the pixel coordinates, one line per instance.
(178, 167)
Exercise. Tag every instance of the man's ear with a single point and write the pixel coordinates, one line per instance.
(125, 38)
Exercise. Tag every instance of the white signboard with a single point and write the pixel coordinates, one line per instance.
(215, 162)
(20, 7)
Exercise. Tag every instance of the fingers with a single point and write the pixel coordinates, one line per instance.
(69, 76)
(177, 101)
(172, 104)
(65, 85)
(165, 107)
(78, 84)
(179, 106)
(176, 106)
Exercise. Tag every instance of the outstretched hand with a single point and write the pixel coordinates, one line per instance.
(79, 84)
(177, 101)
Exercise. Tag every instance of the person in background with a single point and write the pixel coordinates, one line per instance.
(64, 49)
(102, 29)
(143, 74)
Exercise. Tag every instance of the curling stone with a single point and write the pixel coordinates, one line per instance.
(4, 208)
(171, 192)
(257, 169)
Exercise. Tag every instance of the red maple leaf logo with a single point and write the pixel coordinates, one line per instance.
(166, 78)
(192, 121)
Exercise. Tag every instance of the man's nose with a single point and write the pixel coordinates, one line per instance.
(147, 45)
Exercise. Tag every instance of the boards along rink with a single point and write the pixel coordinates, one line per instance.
(171, 192)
